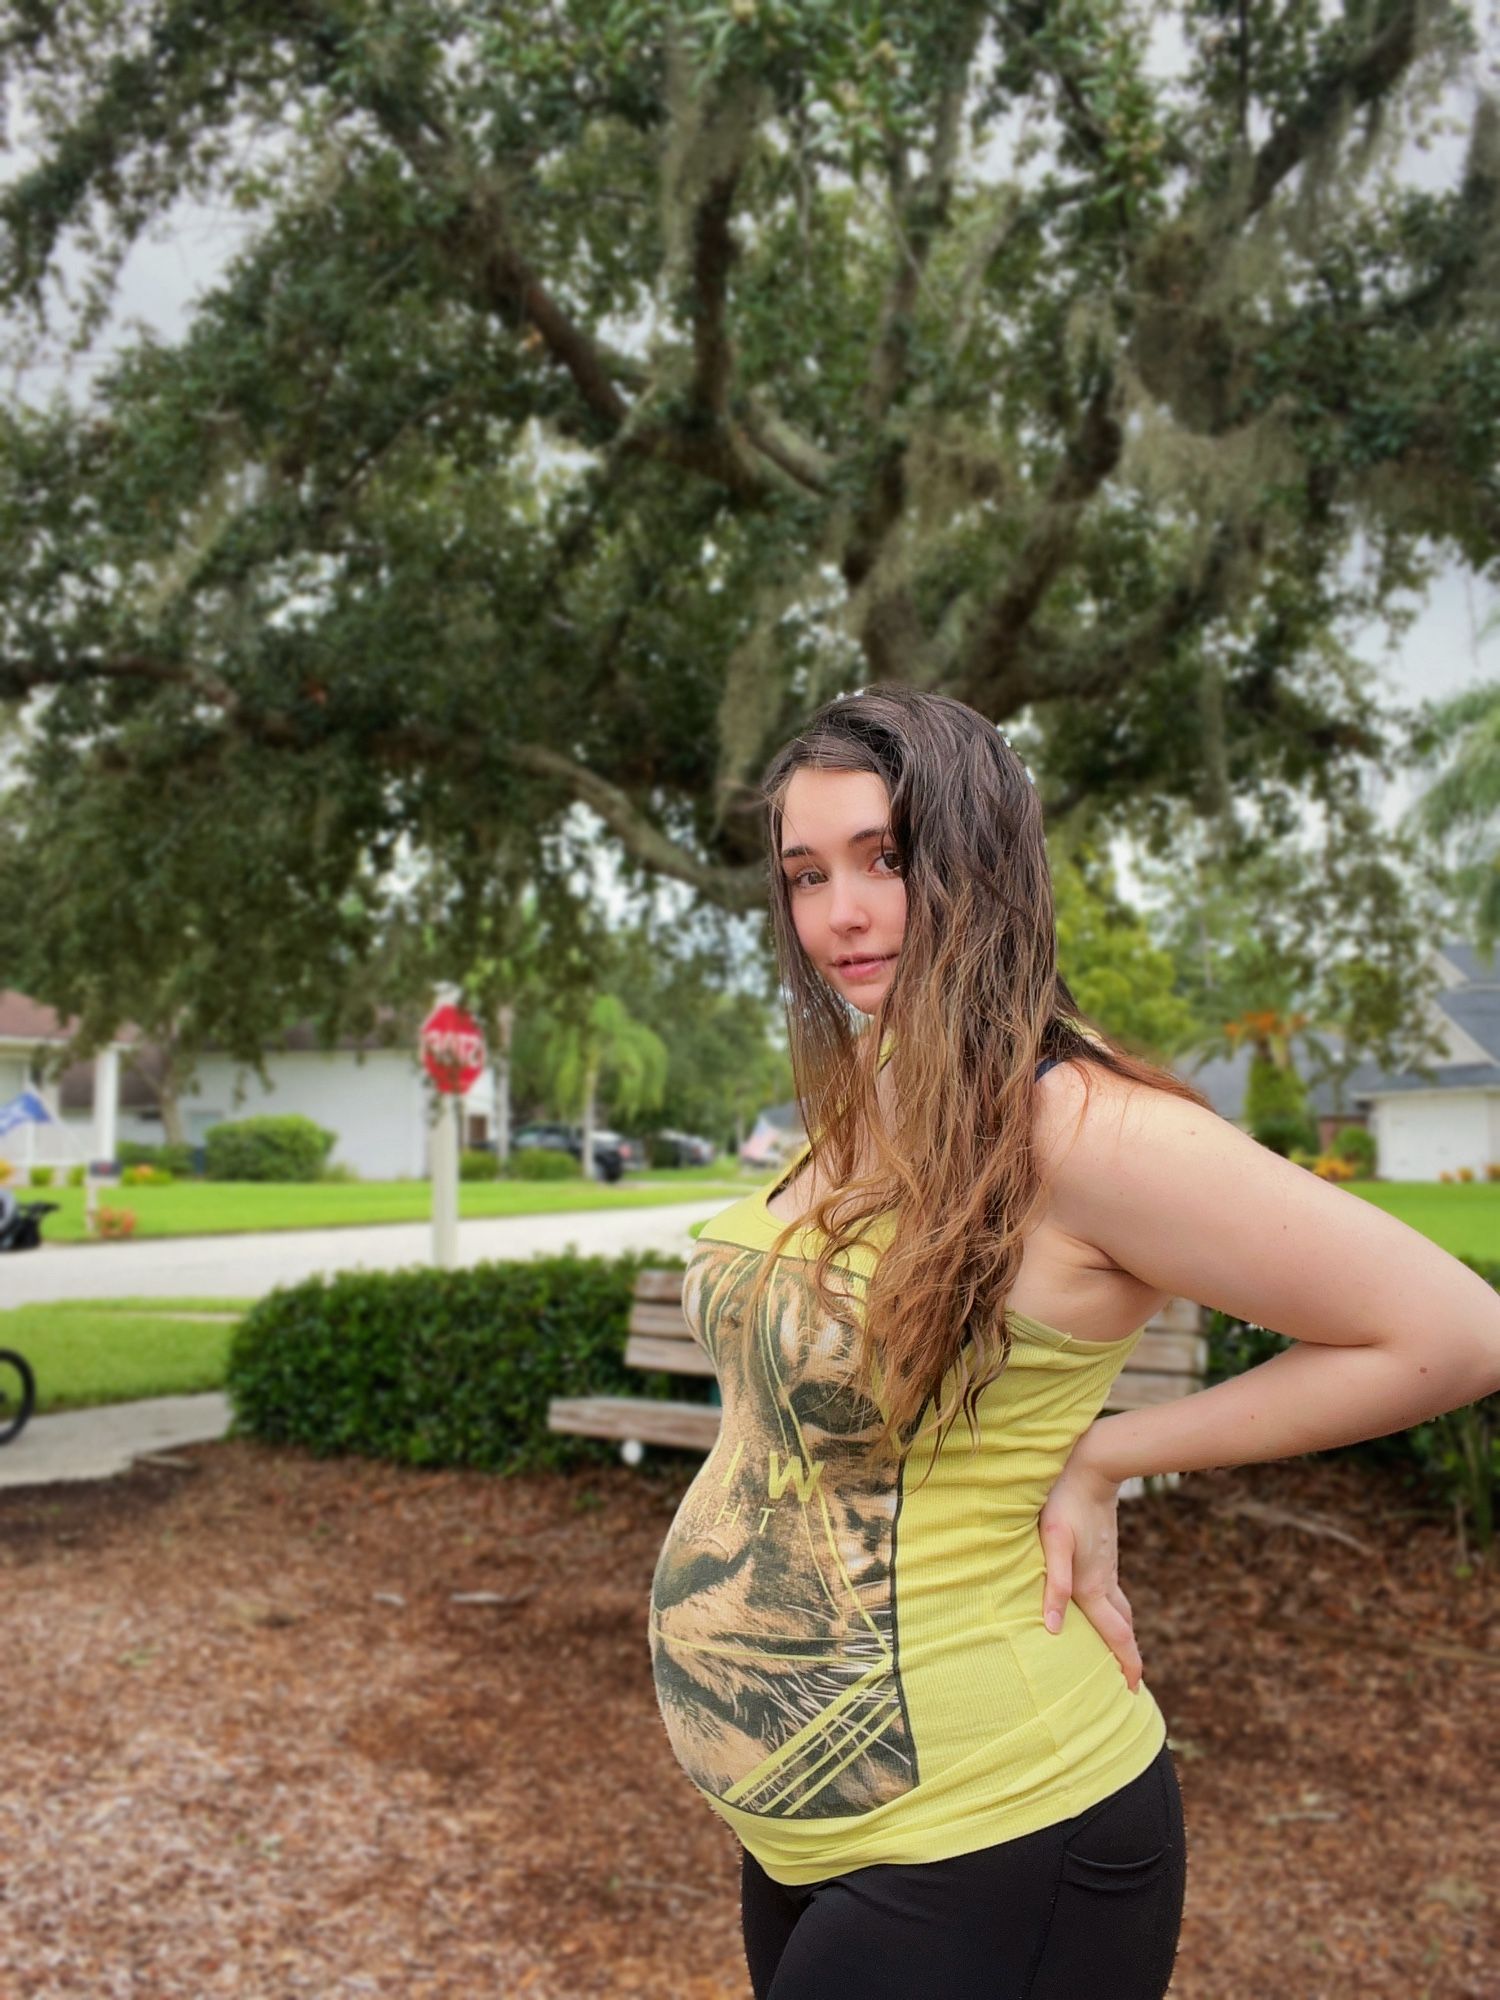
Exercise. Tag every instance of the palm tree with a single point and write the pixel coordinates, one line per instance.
(1461, 807)
(605, 1040)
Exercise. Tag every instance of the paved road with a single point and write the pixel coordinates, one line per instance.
(243, 1267)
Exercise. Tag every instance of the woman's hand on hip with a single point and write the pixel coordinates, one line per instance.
(1080, 1541)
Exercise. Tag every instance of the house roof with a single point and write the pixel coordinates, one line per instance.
(1370, 1082)
(1475, 1009)
(1471, 968)
(29, 1021)
(1468, 1001)
(1224, 1079)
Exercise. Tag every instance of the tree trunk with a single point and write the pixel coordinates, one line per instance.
(590, 1081)
(170, 1106)
(505, 1015)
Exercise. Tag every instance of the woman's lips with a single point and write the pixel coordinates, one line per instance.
(864, 968)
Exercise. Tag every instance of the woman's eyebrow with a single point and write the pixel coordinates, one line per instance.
(855, 840)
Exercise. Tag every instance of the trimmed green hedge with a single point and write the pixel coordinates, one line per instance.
(442, 1367)
(1454, 1460)
(177, 1160)
(542, 1163)
(280, 1148)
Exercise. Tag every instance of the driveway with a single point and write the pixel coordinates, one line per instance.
(243, 1267)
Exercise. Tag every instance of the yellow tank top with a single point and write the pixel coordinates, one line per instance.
(852, 1666)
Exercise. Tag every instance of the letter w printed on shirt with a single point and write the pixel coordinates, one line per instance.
(804, 1477)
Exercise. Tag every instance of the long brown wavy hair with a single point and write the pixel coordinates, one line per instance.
(975, 1002)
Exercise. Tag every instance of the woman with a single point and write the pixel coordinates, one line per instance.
(895, 1657)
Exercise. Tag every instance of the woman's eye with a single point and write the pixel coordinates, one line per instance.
(893, 858)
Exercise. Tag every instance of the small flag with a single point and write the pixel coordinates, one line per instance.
(28, 1108)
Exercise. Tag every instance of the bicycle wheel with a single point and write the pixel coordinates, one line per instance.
(17, 1394)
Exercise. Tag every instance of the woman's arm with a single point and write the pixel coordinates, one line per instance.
(1392, 1330)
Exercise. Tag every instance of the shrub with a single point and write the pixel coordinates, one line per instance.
(42, 1176)
(430, 1367)
(282, 1148)
(143, 1175)
(1329, 1167)
(173, 1159)
(6, 1170)
(1276, 1107)
(1492, 1171)
(1286, 1132)
(340, 1173)
(474, 1164)
(1354, 1142)
(114, 1222)
(77, 1176)
(1466, 1173)
(542, 1163)
(1453, 1461)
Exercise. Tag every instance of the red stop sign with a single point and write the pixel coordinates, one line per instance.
(452, 1049)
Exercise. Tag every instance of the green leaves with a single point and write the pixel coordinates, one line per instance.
(599, 387)
(440, 1367)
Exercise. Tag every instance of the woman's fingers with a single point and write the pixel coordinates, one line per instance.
(1114, 1627)
(1057, 1542)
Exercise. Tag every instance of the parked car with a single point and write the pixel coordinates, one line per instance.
(691, 1149)
(613, 1154)
(632, 1152)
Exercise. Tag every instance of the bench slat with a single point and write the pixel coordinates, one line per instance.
(678, 1357)
(665, 1287)
(690, 1426)
(655, 1317)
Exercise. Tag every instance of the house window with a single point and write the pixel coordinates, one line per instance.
(479, 1130)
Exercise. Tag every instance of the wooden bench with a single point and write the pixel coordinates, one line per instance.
(1171, 1359)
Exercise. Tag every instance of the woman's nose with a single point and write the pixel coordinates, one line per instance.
(846, 909)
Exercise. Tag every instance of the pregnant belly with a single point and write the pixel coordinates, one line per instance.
(771, 1647)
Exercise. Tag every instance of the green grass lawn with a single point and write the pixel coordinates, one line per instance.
(114, 1350)
(1463, 1217)
(213, 1208)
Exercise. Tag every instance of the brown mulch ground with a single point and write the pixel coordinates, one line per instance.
(255, 1747)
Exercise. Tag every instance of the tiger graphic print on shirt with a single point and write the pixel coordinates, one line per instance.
(774, 1637)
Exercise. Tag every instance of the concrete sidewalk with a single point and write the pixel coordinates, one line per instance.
(245, 1267)
(95, 1444)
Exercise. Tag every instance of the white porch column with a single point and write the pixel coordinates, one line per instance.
(106, 1102)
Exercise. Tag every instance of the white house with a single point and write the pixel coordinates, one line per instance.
(29, 1034)
(374, 1097)
(1428, 1125)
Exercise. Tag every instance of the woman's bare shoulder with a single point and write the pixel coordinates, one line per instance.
(1185, 1201)
(1079, 1099)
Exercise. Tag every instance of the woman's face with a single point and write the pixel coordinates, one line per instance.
(847, 896)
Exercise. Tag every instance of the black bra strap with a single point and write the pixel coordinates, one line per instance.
(1043, 1067)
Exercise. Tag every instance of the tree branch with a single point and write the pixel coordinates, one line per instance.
(20, 678)
(1371, 73)
(1099, 663)
(731, 888)
(994, 646)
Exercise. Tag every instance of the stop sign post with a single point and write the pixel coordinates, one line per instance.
(452, 1049)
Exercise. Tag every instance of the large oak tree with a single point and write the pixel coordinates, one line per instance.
(604, 383)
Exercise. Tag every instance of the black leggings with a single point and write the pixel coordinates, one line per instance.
(1087, 1909)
